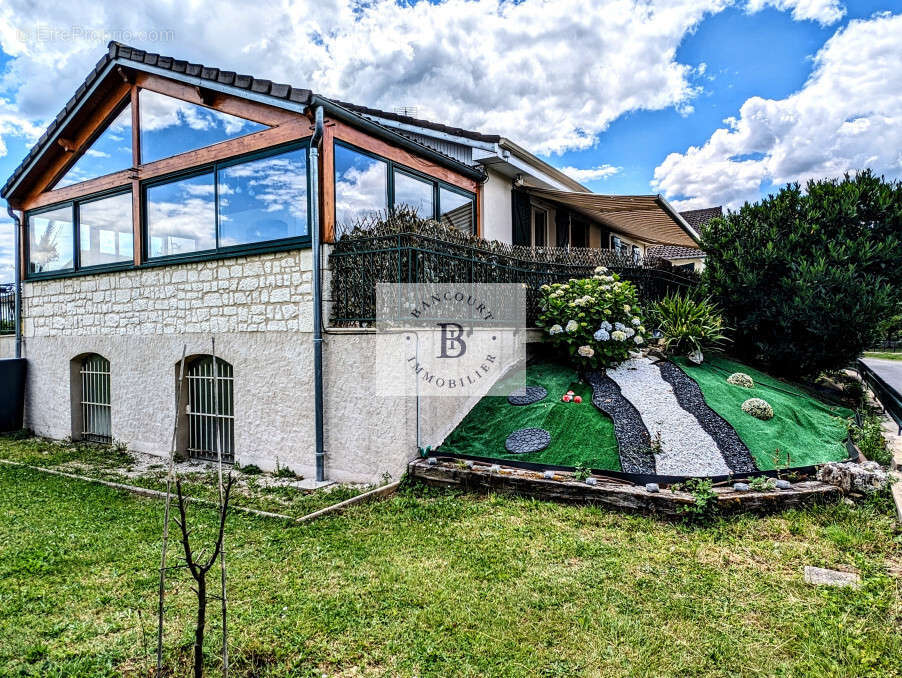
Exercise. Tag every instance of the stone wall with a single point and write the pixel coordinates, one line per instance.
(7, 346)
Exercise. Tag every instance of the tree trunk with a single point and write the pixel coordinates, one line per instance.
(199, 628)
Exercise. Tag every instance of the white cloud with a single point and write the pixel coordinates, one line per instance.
(591, 173)
(552, 74)
(825, 12)
(847, 116)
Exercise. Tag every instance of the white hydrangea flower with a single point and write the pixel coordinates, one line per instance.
(572, 326)
(601, 335)
(642, 329)
(638, 339)
(601, 269)
(586, 351)
(636, 321)
(626, 308)
(555, 329)
(617, 335)
(545, 288)
(629, 331)
(620, 327)
(605, 325)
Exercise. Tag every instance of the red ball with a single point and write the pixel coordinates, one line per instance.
(569, 393)
(566, 398)
(578, 399)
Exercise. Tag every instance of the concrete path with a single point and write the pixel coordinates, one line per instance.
(889, 370)
(687, 449)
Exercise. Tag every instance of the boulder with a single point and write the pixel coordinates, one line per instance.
(851, 477)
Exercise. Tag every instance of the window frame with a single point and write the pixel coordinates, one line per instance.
(532, 231)
(391, 167)
(77, 269)
(219, 252)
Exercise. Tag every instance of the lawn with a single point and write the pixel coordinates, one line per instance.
(436, 585)
(883, 355)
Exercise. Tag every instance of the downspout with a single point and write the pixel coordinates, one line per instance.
(18, 323)
(317, 294)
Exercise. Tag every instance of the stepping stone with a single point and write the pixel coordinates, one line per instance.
(532, 394)
(821, 576)
(527, 440)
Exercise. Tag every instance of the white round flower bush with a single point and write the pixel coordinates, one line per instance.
(758, 408)
(741, 379)
(595, 320)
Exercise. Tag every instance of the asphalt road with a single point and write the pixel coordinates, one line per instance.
(890, 370)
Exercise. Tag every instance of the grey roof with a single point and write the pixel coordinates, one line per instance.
(698, 218)
(118, 52)
(674, 252)
(425, 124)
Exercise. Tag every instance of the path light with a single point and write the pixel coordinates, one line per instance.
(657, 334)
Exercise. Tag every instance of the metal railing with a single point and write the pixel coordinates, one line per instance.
(360, 261)
(889, 397)
(7, 308)
(95, 399)
(202, 415)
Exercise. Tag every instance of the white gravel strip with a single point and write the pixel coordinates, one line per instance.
(686, 448)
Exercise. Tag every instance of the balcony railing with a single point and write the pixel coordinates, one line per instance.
(7, 309)
(433, 254)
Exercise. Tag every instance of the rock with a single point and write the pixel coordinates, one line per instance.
(781, 484)
(851, 477)
(652, 488)
(820, 576)
(432, 461)
(494, 468)
(528, 396)
(741, 487)
(549, 475)
(469, 463)
(591, 481)
(527, 440)
(696, 357)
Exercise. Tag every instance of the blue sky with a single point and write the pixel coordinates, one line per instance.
(706, 101)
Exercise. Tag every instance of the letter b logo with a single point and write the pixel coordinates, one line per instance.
(452, 339)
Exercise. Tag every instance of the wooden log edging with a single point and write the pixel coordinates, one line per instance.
(146, 492)
(608, 492)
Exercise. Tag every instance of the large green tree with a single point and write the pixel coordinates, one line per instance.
(805, 277)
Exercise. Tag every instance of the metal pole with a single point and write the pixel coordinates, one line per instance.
(217, 443)
(169, 477)
(317, 296)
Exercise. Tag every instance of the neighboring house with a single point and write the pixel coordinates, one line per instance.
(687, 258)
(169, 202)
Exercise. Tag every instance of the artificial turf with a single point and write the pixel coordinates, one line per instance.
(580, 434)
(803, 431)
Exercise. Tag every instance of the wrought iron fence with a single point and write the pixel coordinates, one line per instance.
(362, 259)
(7, 309)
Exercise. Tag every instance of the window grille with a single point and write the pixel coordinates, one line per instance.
(202, 416)
(95, 399)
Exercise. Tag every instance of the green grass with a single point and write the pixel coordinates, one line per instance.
(438, 585)
(580, 433)
(883, 355)
(806, 429)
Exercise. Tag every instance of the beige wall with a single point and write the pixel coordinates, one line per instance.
(496, 207)
(7, 346)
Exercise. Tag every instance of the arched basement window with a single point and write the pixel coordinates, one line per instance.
(203, 415)
(95, 399)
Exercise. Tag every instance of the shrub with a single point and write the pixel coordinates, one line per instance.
(758, 408)
(804, 279)
(870, 440)
(687, 323)
(741, 379)
(595, 320)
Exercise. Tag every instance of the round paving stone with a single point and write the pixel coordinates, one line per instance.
(527, 440)
(532, 394)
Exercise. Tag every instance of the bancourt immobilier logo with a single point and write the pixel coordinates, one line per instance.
(450, 339)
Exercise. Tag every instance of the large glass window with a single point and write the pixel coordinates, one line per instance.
(50, 240)
(361, 187)
(110, 152)
(105, 231)
(181, 216)
(171, 126)
(456, 209)
(264, 199)
(414, 193)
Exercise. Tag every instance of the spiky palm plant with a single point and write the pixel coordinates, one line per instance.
(688, 323)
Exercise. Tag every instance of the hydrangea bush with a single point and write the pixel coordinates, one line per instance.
(595, 320)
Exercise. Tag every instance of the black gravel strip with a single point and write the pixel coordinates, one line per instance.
(690, 398)
(633, 441)
(527, 440)
(532, 394)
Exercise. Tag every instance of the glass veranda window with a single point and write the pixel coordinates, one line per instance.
(361, 187)
(105, 231)
(110, 152)
(456, 209)
(50, 240)
(414, 193)
(181, 216)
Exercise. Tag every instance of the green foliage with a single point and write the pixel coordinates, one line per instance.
(284, 472)
(761, 484)
(596, 320)
(688, 323)
(705, 505)
(251, 469)
(870, 440)
(804, 279)
(581, 472)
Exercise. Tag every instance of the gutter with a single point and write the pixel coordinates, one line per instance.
(313, 152)
(677, 217)
(17, 225)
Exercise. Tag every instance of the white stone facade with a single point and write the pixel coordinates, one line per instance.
(260, 309)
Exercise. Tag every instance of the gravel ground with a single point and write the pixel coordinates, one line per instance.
(690, 398)
(686, 448)
(633, 441)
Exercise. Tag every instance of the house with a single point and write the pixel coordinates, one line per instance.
(687, 258)
(169, 202)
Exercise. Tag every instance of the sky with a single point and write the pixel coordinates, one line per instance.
(708, 102)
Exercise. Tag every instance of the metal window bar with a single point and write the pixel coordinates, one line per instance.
(202, 415)
(7, 309)
(95, 399)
